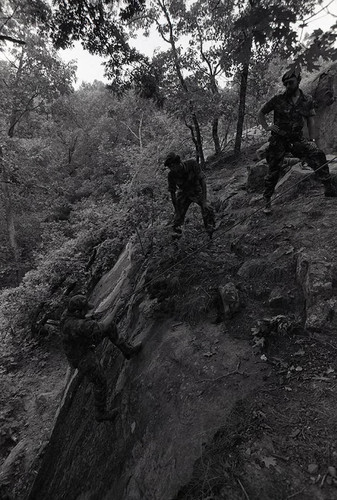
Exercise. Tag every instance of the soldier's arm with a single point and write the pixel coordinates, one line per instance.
(311, 128)
(109, 329)
(262, 120)
(267, 108)
(311, 122)
(204, 190)
(92, 332)
(172, 187)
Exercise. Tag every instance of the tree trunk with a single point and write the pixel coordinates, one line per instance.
(183, 83)
(198, 140)
(242, 108)
(15, 108)
(195, 142)
(10, 221)
(215, 135)
(13, 122)
(71, 150)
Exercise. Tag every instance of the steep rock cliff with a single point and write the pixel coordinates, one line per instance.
(229, 410)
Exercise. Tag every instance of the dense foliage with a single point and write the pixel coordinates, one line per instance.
(89, 177)
(81, 171)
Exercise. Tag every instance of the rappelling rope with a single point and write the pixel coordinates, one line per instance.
(240, 221)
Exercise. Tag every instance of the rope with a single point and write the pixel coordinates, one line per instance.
(240, 221)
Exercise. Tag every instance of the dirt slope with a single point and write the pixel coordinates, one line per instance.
(209, 410)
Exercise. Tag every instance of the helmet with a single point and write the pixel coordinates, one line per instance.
(294, 71)
(171, 158)
(77, 303)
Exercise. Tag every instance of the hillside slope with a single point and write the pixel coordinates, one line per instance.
(209, 410)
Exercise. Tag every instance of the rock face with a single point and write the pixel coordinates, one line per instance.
(258, 171)
(298, 180)
(15, 455)
(171, 400)
(323, 88)
(175, 396)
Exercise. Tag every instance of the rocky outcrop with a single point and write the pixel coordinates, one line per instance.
(298, 180)
(258, 171)
(190, 377)
(316, 273)
(323, 88)
(256, 175)
(172, 399)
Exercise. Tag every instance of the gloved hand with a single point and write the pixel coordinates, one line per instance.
(276, 130)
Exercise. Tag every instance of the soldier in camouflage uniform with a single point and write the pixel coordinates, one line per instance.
(80, 336)
(188, 178)
(291, 109)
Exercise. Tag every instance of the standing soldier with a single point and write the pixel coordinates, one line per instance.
(291, 109)
(188, 178)
(80, 336)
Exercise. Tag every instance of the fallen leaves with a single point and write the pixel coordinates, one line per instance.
(269, 461)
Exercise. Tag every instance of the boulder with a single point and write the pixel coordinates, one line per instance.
(256, 175)
(258, 171)
(299, 179)
(279, 299)
(323, 88)
(315, 273)
(229, 300)
(333, 168)
(261, 152)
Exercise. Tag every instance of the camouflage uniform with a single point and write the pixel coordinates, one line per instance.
(289, 117)
(80, 336)
(187, 180)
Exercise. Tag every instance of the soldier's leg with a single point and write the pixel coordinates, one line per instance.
(182, 204)
(208, 216)
(316, 159)
(274, 156)
(92, 370)
(100, 387)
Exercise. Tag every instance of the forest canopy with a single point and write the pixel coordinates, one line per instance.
(70, 160)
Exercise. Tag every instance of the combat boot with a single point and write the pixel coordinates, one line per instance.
(267, 207)
(210, 232)
(129, 350)
(105, 415)
(330, 190)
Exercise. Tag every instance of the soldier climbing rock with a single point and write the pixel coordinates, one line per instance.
(80, 336)
(291, 110)
(186, 183)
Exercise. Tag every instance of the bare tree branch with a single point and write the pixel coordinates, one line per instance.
(9, 18)
(11, 39)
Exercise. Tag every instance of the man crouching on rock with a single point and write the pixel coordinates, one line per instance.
(80, 336)
(291, 109)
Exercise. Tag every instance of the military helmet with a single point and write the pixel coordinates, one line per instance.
(77, 303)
(171, 158)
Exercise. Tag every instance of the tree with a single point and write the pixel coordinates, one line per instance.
(168, 17)
(206, 24)
(99, 26)
(32, 78)
(262, 29)
(15, 12)
(35, 77)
